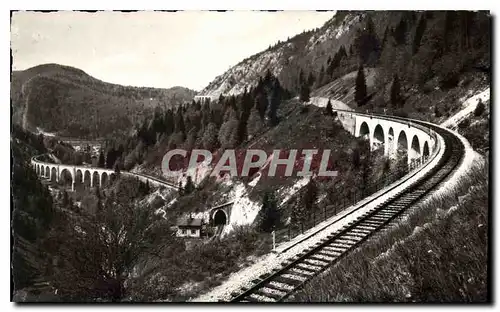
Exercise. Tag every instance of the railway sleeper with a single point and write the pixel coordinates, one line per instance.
(333, 253)
(276, 286)
(308, 267)
(355, 234)
(315, 262)
(254, 298)
(340, 245)
(294, 282)
(325, 258)
(365, 227)
(354, 237)
(269, 294)
(360, 232)
(346, 241)
(300, 274)
(379, 218)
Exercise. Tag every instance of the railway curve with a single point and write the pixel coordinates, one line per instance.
(301, 269)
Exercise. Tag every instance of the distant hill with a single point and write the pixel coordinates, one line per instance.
(69, 102)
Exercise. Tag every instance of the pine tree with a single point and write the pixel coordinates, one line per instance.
(101, 162)
(356, 158)
(269, 215)
(261, 103)
(301, 79)
(310, 79)
(419, 32)
(480, 108)
(396, 92)
(181, 190)
(321, 77)
(189, 187)
(111, 158)
(179, 123)
(65, 199)
(169, 122)
(329, 108)
(360, 89)
(274, 102)
(241, 130)
(305, 93)
(210, 141)
(310, 197)
(116, 167)
(41, 144)
(367, 44)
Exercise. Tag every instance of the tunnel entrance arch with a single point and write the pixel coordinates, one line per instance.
(220, 217)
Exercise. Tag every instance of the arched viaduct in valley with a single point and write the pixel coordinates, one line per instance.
(392, 135)
(91, 176)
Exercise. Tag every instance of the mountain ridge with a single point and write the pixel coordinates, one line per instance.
(44, 95)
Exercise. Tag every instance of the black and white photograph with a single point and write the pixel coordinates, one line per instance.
(250, 156)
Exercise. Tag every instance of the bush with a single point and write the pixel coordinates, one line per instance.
(464, 124)
(480, 108)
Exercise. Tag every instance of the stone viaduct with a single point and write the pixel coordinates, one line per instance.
(93, 175)
(391, 134)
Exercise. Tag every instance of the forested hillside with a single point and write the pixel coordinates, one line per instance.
(419, 57)
(69, 102)
(31, 209)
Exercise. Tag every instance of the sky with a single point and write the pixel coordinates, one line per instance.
(153, 49)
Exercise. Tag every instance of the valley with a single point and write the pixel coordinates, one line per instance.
(402, 101)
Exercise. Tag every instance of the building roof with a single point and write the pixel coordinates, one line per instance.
(189, 222)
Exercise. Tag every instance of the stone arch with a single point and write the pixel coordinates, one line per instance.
(104, 179)
(220, 217)
(37, 168)
(96, 179)
(42, 171)
(378, 136)
(112, 177)
(47, 172)
(402, 143)
(66, 177)
(391, 133)
(415, 148)
(53, 174)
(364, 130)
(78, 177)
(87, 178)
(390, 141)
(425, 151)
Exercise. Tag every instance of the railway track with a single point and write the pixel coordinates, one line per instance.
(298, 271)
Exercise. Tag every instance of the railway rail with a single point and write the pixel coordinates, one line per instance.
(298, 271)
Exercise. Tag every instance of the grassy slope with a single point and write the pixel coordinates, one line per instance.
(439, 254)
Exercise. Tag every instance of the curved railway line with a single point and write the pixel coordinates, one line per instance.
(299, 270)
